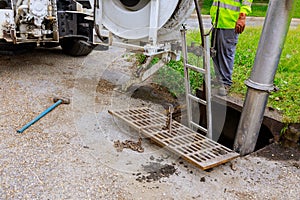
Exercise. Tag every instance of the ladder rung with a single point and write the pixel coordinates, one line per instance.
(197, 69)
(197, 99)
(198, 126)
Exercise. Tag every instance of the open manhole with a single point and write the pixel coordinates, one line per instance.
(226, 112)
(269, 132)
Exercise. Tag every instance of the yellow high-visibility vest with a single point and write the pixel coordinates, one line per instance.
(229, 12)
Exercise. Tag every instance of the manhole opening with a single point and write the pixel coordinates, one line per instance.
(269, 131)
(230, 127)
(228, 111)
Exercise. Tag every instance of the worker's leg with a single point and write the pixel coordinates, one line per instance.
(226, 40)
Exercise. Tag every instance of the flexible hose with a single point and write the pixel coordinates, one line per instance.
(200, 21)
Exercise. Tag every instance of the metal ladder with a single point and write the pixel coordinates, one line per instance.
(206, 72)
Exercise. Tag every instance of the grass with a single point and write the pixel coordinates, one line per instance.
(172, 77)
(287, 79)
(259, 10)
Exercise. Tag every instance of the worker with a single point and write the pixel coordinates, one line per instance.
(229, 20)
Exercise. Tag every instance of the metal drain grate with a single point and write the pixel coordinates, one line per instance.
(190, 145)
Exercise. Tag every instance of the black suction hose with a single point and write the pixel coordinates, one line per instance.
(200, 21)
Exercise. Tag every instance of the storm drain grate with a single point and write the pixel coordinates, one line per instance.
(190, 145)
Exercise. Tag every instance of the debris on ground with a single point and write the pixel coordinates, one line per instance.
(156, 171)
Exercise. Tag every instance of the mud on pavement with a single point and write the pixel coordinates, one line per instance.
(69, 153)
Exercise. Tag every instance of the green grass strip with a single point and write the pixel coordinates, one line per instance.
(287, 78)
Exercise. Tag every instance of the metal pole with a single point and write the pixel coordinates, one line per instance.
(186, 75)
(206, 61)
(259, 85)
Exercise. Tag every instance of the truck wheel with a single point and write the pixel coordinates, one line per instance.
(76, 47)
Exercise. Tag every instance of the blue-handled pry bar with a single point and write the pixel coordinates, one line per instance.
(57, 101)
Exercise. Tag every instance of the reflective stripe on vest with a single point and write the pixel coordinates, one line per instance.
(227, 6)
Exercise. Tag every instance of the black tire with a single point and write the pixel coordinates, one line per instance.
(76, 47)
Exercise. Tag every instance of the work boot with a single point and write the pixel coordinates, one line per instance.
(223, 90)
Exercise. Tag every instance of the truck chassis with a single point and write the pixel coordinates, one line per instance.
(47, 23)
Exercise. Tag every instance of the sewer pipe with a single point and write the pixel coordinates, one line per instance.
(260, 83)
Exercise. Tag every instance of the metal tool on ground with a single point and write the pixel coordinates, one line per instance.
(57, 101)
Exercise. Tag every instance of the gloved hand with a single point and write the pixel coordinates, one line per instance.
(241, 23)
